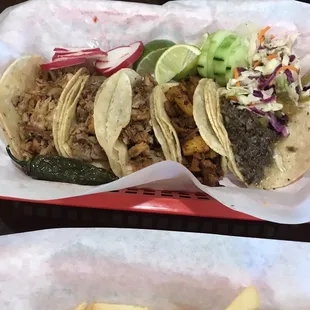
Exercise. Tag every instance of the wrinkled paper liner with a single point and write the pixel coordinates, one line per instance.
(106, 24)
(58, 269)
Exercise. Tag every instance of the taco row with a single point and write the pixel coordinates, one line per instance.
(128, 122)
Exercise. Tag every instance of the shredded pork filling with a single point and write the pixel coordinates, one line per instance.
(203, 162)
(36, 109)
(83, 141)
(138, 135)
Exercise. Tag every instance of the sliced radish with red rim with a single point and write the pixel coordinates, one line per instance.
(73, 50)
(119, 58)
(62, 63)
(106, 63)
(81, 54)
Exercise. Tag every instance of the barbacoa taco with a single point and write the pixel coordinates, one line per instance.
(76, 134)
(262, 118)
(125, 123)
(31, 101)
(179, 111)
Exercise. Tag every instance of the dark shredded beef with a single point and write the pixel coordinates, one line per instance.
(252, 142)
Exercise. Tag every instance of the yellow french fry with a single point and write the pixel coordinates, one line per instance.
(248, 299)
(103, 306)
(82, 306)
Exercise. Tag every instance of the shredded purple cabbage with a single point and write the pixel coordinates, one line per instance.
(283, 120)
(257, 111)
(278, 124)
(306, 88)
(240, 69)
(289, 76)
(270, 99)
(261, 79)
(263, 84)
(269, 87)
(292, 58)
(297, 89)
(285, 132)
(258, 93)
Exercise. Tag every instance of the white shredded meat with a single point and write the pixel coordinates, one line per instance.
(83, 141)
(36, 109)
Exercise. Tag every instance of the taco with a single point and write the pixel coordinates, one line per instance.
(76, 134)
(179, 109)
(31, 101)
(125, 123)
(258, 155)
(262, 118)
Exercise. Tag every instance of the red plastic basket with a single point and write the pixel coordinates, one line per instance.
(152, 201)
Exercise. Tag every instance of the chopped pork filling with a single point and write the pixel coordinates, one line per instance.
(138, 135)
(83, 141)
(36, 108)
(203, 162)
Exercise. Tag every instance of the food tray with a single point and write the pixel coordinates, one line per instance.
(20, 217)
(163, 202)
(152, 201)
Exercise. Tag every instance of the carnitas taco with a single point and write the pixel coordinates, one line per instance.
(179, 111)
(125, 123)
(31, 101)
(262, 118)
(76, 134)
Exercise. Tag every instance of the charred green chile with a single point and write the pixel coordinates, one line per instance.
(65, 170)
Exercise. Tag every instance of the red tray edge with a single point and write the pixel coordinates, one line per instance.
(150, 201)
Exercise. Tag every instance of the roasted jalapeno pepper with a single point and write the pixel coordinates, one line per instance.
(61, 169)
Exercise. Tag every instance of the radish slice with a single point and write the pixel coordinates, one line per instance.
(119, 58)
(58, 49)
(73, 50)
(80, 54)
(62, 63)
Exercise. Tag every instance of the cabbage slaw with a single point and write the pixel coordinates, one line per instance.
(273, 69)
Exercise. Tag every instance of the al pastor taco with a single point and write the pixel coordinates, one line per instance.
(125, 123)
(179, 109)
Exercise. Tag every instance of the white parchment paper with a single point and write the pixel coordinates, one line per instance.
(38, 26)
(57, 269)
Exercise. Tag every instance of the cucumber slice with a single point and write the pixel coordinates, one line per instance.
(221, 55)
(238, 58)
(203, 59)
(216, 41)
(202, 65)
(220, 79)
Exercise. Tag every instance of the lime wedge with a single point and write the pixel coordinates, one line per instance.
(151, 53)
(148, 62)
(176, 60)
(191, 69)
(157, 44)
